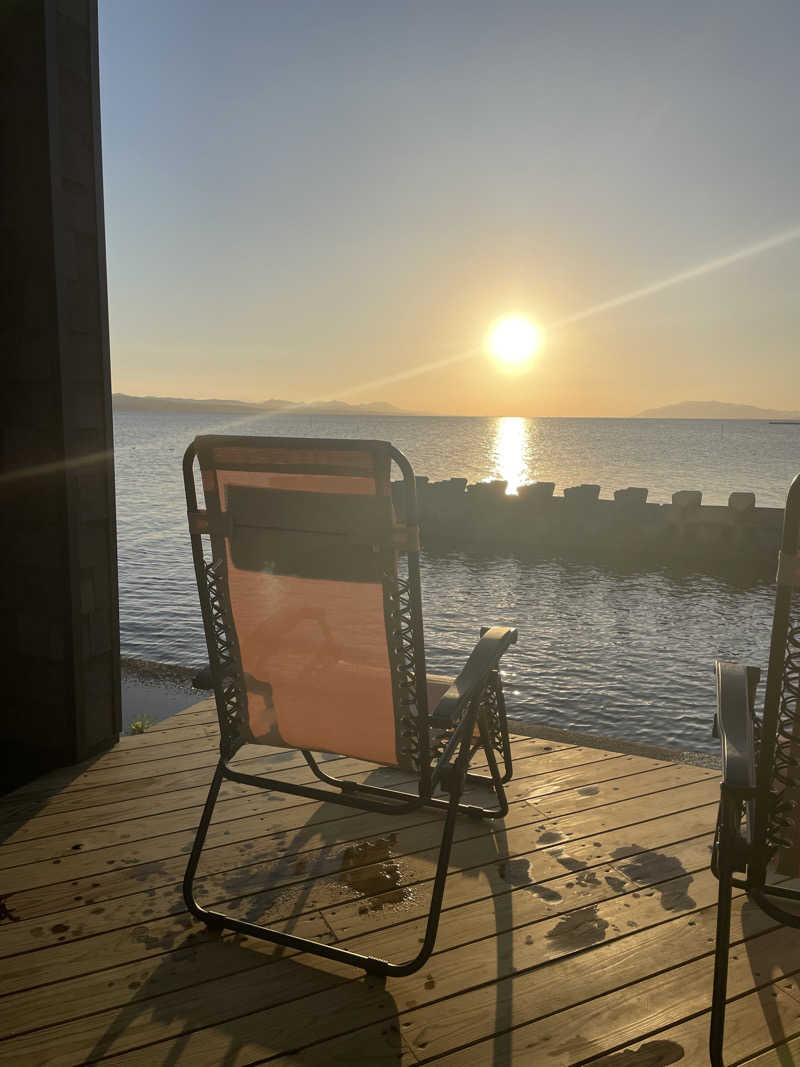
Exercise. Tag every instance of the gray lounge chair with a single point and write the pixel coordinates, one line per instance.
(758, 830)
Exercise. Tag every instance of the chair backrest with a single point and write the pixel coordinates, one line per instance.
(778, 734)
(314, 636)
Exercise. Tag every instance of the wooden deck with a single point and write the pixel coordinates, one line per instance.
(580, 930)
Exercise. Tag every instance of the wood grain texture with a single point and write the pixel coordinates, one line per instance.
(578, 929)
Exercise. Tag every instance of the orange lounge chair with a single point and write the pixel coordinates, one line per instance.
(310, 594)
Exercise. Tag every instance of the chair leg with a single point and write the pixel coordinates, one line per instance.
(197, 848)
(502, 725)
(437, 896)
(370, 964)
(723, 857)
(497, 779)
(396, 802)
(492, 726)
(456, 788)
(494, 738)
(494, 708)
(494, 779)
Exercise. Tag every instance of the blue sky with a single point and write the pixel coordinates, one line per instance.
(303, 199)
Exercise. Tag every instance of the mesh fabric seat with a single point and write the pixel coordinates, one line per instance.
(757, 845)
(310, 594)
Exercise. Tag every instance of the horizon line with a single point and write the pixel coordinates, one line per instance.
(380, 406)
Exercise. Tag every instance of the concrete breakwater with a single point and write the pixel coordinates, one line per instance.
(454, 514)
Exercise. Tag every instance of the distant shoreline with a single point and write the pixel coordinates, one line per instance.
(172, 405)
(308, 413)
(688, 411)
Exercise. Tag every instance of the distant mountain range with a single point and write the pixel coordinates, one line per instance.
(687, 409)
(124, 402)
(714, 409)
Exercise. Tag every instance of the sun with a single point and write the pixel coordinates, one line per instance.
(513, 340)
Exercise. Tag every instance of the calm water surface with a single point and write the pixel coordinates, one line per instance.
(622, 653)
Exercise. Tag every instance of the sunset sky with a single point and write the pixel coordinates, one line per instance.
(306, 199)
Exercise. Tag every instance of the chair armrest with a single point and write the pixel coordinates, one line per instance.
(734, 721)
(483, 659)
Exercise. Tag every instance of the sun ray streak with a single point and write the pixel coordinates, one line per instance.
(400, 376)
(711, 265)
(708, 267)
(95, 459)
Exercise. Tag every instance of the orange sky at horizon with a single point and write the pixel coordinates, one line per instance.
(570, 375)
(611, 361)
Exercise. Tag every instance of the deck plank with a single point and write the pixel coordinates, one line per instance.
(114, 873)
(203, 713)
(253, 759)
(645, 1006)
(163, 911)
(581, 927)
(193, 731)
(454, 998)
(150, 817)
(254, 983)
(754, 1025)
(30, 806)
(506, 909)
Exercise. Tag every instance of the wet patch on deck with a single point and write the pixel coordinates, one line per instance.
(650, 1054)
(370, 871)
(651, 869)
(579, 929)
(6, 913)
(569, 862)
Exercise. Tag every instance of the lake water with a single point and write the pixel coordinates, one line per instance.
(608, 650)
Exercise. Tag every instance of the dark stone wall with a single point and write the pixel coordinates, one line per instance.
(483, 517)
(60, 631)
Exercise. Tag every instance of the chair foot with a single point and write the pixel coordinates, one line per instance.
(481, 779)
(373, 966)
(727, 827)
(212, 922)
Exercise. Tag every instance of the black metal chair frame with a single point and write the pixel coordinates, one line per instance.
(759, 764)
(446, 741)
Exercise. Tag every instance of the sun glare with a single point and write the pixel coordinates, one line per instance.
(513, 340)
(510, 448)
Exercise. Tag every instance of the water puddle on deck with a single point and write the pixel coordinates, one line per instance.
(6, 914)
(650, 1054)
(369, 870)
(579, 929)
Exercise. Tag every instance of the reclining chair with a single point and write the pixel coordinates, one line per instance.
(310, 594)
(758, 830)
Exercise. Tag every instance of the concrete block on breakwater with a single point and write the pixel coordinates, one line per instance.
(454, 514)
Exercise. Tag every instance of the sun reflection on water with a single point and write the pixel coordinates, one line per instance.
(510, 440)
